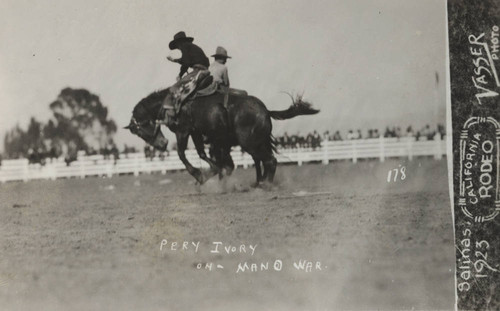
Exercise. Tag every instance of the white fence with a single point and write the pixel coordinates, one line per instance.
(11, 170)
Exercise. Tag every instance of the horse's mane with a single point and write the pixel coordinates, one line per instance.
(147, 102)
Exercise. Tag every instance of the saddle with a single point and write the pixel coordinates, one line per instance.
(182, 90)
(209, 87)
(194, 85)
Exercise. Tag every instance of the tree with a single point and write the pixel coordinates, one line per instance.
(79, 117)
(13, 143)
(79, 120)
(34, 136)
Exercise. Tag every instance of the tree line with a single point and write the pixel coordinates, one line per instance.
(79, 121)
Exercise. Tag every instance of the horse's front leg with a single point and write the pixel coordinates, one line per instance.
(200, 148)
(223, 159)
(182, 140)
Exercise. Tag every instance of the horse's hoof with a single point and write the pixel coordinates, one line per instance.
(198, 175)
(267, 186)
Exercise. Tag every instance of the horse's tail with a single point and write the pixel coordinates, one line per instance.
(295, 109)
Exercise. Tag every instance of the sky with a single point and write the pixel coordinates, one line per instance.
(364, 64)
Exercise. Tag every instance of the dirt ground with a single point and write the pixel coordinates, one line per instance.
(94, 244)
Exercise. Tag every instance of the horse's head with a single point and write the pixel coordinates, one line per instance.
(143, 121)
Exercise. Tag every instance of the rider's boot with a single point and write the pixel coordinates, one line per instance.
(168, 108)
(169, 119)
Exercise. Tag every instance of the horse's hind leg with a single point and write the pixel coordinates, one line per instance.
(270, 165)
(216, 156)
(222, 157)
(269, 162)
(263, 153)
(258, 171)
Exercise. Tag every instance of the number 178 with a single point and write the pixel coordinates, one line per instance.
(401, 172)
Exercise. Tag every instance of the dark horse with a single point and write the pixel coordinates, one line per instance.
(246, 122)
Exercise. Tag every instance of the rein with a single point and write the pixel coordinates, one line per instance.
(151, 121)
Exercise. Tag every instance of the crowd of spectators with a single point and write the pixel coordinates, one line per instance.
(313, 140)
(150, 153)
(108, 152)
(42, 155)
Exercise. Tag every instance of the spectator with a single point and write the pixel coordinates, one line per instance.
(428, 133)
(398, 132)
(293, 142)
(326, 136)
(425, 131)
(301, 140)
(350, 135)
(387, 132)
(316, 140)
(91, 151)
(359, 135)
(337, 136)
(147, 152)
(286, 140)
(370, 133)
(116, 154)
(161, 156)
(441, 131)
(409, 131)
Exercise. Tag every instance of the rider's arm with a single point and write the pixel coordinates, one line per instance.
(184, 69)
(174, 60)
(185, 61)
(225, 77)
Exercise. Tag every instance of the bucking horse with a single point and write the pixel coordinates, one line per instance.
(245, 122)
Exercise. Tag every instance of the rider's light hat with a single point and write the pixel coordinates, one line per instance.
(221, 52)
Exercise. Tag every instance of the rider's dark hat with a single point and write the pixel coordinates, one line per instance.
(179, 37)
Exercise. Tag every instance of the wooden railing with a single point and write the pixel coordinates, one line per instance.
(136, 163)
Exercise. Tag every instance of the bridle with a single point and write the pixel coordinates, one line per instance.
(139, 126)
